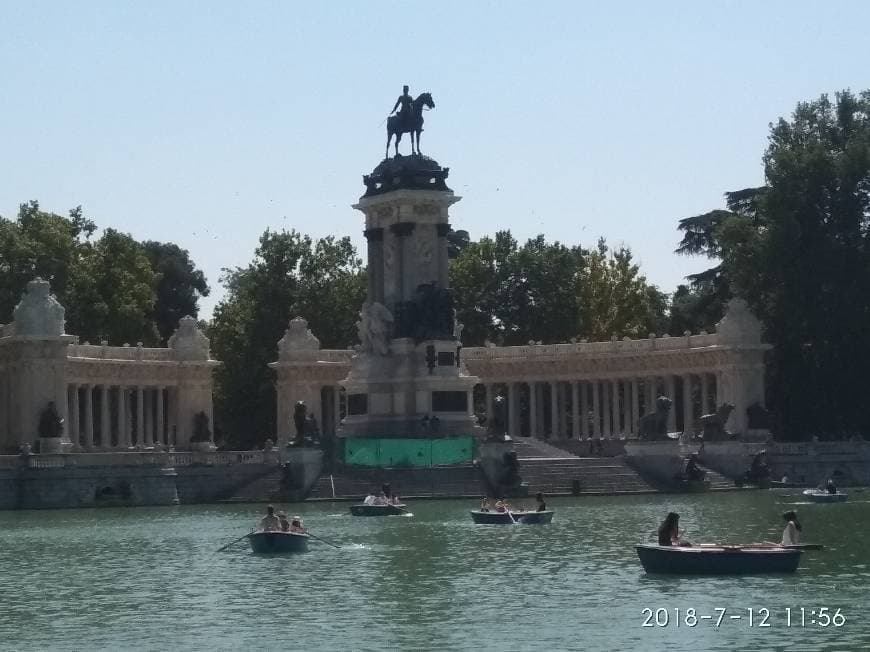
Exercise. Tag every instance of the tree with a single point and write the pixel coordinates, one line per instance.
(551, 292)
(110, 295)
(798, 251)
(290, 275)
(179, 286)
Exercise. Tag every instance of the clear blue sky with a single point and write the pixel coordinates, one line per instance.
(203, 123)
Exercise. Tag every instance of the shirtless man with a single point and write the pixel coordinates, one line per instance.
(270, 522)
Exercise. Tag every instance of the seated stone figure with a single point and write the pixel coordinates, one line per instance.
(654, 426)
(713, 425)
(300, 411)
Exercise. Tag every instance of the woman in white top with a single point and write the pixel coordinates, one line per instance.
(791, 533)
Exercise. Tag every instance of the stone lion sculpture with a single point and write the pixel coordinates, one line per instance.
(713, 425)
(654, 426)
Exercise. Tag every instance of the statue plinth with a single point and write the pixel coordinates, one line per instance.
(406, 379)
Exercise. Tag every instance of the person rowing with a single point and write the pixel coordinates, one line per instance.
(669, 531)
(542, 506)
(270, 522)
(296, 525)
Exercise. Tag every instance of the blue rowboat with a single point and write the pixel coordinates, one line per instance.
(720, 560)
(278, 542)
(820, 496)
(378, 510)
(503, 518)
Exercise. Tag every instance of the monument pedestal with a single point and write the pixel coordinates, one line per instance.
(407, 379)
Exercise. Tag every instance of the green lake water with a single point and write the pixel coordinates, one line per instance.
(150, 579)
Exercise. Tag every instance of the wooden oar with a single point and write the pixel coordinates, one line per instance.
(513, 520)
(329, 543)
(232, 542)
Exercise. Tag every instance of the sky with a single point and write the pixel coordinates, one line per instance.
(205, 123)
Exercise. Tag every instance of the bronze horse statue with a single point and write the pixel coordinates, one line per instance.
(412, 124)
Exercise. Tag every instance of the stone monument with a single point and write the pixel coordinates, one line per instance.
(406, 372)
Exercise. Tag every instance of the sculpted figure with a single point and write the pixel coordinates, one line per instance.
(374, 328)
(50, 422)
(654, 426)
(409, 120)
(299, 414)
(713, 425)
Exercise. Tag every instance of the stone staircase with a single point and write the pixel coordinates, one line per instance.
(552, 470)
(718, 482)
(438, 482)
(262, 489)
(597, 475)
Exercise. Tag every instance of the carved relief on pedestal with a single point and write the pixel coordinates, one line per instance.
(425, 248)
(426, 209)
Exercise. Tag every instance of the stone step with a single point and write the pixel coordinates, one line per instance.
(264, 488)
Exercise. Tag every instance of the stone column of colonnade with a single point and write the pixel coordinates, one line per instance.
(137, 422)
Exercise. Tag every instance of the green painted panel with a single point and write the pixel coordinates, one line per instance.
(361, 452)
(455, 450)
(405, 452)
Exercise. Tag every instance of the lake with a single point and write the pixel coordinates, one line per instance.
(151, 579)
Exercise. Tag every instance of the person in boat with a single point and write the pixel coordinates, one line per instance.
(282, 519)
(387, 490)
(542, 506)
(270, 522)
(484, 504)
(370, 499)
(669, 531)
(831, 487)
(396, 500)
(296, 525)
(791, 533)
(381, 500)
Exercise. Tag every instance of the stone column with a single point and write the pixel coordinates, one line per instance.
(487, 403)
(615, 404)
(375, 248)
(140, 415)
(626, 408)
(513, 410)
(705, 394)
(74, 434)
(635, 406)
(443, 279)
(554, 410)
(121, 417)
(149, 416)
(687, 403)
(89, 416)
(607, 426)
(575, 409)
(105, 421)
(584, 409)
(336, 393)
(533, 410)
(651, 397)
(596, 410)
(161, 421)
(672, 394)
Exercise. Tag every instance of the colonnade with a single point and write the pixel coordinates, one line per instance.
(600, 408)
(104, 417)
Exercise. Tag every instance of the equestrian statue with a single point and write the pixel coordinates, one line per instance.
(409, 119)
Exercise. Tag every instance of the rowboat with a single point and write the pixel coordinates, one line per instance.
(378, 510)
(719, 560)
(504, 518)
(822, 496)
(278, 542)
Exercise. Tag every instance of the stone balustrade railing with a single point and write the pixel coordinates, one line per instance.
(96, 351)
(139, 458)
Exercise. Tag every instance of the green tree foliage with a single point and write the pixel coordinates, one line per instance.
(798, 251)
(114, 288)
(110, 295)
(179, 286)
(290, 275)
(550, 292)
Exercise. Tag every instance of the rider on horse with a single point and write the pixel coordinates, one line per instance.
(406, 111)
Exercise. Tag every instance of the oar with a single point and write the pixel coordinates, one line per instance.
(323, 540)
(232, 542)
(513, 520)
